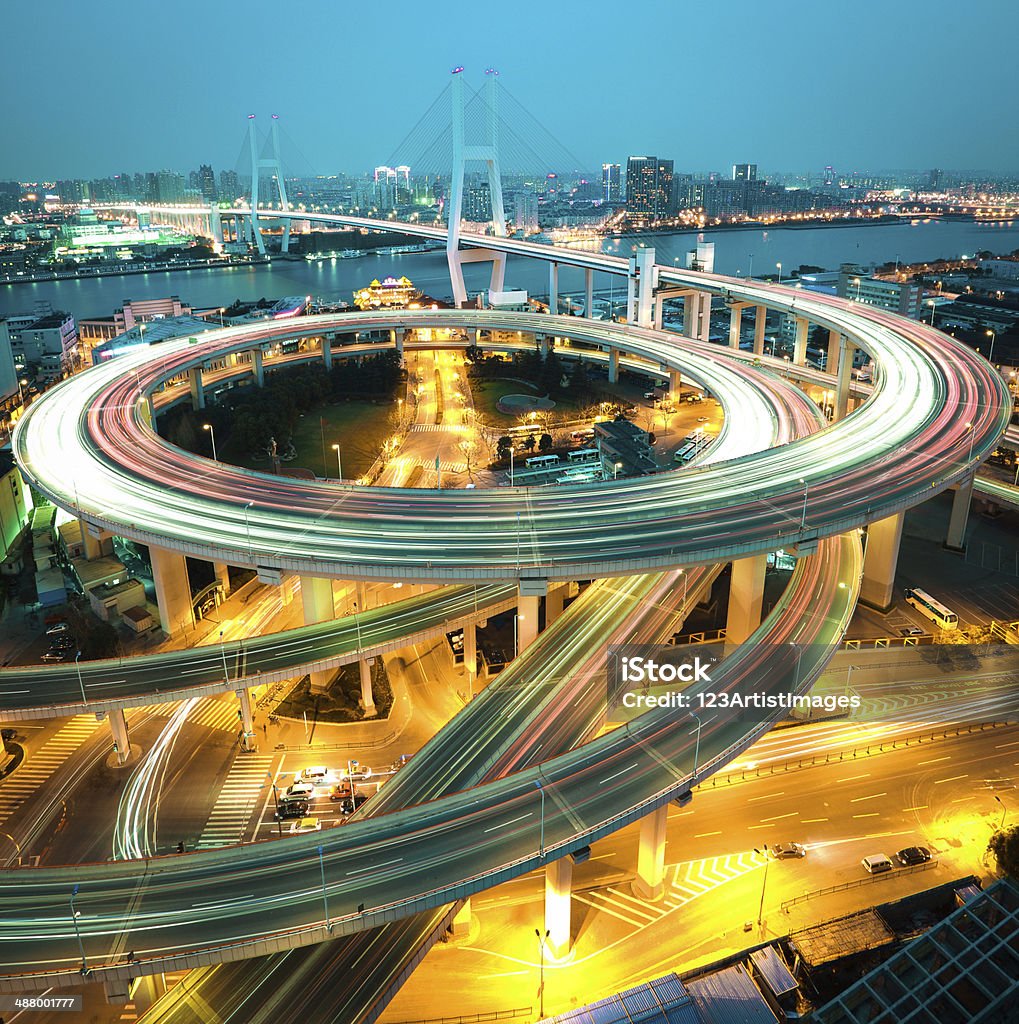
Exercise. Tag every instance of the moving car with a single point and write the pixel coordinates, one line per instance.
(783, 850)
(291, 809)
(306, 825)
(341, 791)
(301, 789)
(348, 806)
(55, 656)
(913, 855)
(60, 627)
(315, 774)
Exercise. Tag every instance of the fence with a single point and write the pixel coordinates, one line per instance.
(848, 755)
(856, 883)
(522, 1011)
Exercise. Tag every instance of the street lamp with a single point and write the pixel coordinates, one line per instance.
(541, 970)
(779, 266)
(750, 269)
(212, 437)
(77, 931)
(697, 743)
(81, 682)
(541, 837)
(993, 336)
(682, 572)
(339, 465)
(972, 437)
(222, 651)
(247, 528)
(803, 514)
(511, 463)
(932, 304)
(616, 467)
(858, 284)
(1004, 811)
(325, 895)
(276, 803)
(764, 885)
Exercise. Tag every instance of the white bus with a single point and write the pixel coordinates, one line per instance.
(542, 462)
(686, 453)
(932, 609)
(579, 475)
(583, 455)
(524, 430)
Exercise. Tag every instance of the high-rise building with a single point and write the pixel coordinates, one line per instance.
(229, 185)
(207, 183)
(744, 172)
(477, 205)
(934, 178)
(525, 211)
(610, 183)
(829, 175)
(649, 187)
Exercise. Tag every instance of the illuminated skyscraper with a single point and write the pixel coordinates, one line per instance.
(610, 182)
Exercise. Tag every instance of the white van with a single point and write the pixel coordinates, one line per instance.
(877, 863)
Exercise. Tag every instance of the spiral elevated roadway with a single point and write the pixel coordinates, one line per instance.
(935, 412)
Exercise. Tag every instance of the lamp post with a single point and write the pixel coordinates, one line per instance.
(339, 464)
(247, 529)
(750, 269)
(511, 463)
(541, 969)
(276, 803)
(933, 306)
(77, 931)
(325, 895)
(682, 572)
(779, 266)
(541, 835)
(764, 885)
(972, 438)
(212, 437)
(222, 651)
(858, 284)
(803, 514)
(993, 335)
(696, 743)
(616, 466)
(81, 682)
(1004, 812)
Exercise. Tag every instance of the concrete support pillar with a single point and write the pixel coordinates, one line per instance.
(691, 311)
(760, 323)
(121, 741)
(398, 338)
(845, 378)
(589, 293)
(97, 543)
(650, 881)
(558, 899)
(675, 383)
(462, 920)
(613, 365)
(148, 412)
(529, 592)
(367, 697)
(327, 351)
(256, 366)
(222, 573)
(879, 562)
(800, 343)
(553, 287)
(746, 598)
(361, 595)
(197, 388)
(554, 603)
(173, 591)
(956, 539)
(471, 651)
(735, 324)
(247, 719)
(831, 360)
(317, 601)
(705, 316)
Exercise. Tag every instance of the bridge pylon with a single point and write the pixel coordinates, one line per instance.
(272, 164)
(488, 154)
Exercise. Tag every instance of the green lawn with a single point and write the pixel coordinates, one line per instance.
(487, 394)
(359, 427)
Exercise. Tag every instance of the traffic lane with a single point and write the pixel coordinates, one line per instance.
(164, 895)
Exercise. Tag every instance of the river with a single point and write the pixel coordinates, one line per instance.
(336, 279)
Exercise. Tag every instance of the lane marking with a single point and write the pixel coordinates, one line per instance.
(853, 778)
(512, 821)
(954, 778)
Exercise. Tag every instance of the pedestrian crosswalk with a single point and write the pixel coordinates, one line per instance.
(213, 712)
(244, 790)
(683, 883)
(432, 427)
(40, 765)
(445, 466)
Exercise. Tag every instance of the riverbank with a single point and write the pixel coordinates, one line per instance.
(124, 269)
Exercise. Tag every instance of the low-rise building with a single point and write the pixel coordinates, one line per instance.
(902, 297)
(46, 340)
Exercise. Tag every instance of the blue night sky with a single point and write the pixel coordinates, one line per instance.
(91, 89)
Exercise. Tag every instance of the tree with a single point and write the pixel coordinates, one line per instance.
(1004, 845)
(544, 442)
(528, 443)
(503, 447)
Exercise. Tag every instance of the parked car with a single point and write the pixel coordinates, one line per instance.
(341, 791)
(783, 850)
(59, 627)
(911, 631)
(348, 805)
(877, 863)
(55, 656)
(912, 855)
(315, 774)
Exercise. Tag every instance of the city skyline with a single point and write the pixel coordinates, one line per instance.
(592, 101)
